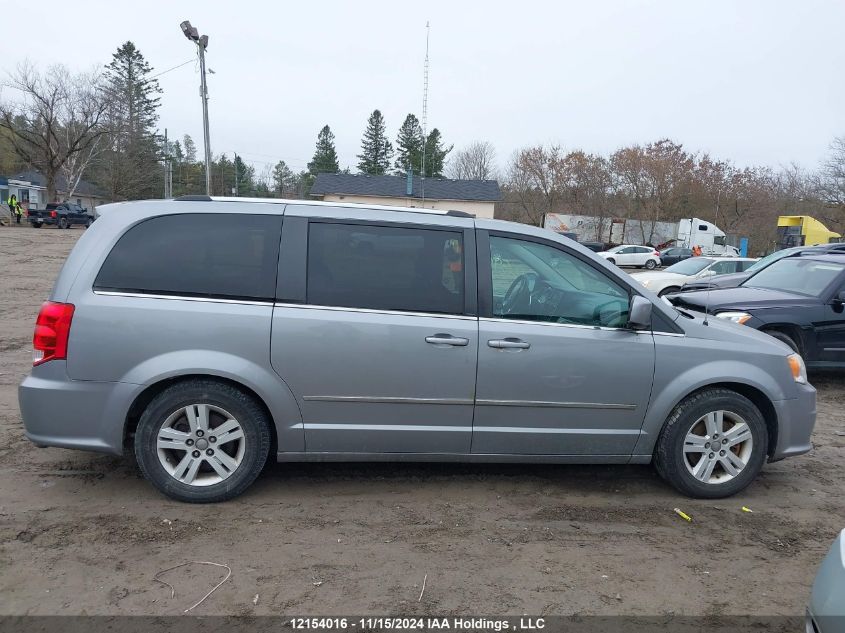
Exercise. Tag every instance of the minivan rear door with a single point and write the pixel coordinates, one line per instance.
(375, 330)
(558, 371)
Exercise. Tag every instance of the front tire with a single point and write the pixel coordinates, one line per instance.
(202, 441)
(712, 445)
(785, 338)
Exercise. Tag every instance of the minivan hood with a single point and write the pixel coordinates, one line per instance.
(740, 298)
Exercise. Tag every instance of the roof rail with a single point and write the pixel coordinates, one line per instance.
(452, 213)
(193, 198)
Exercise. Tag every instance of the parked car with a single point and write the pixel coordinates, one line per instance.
(799, 300)
(63, 215)
(629, 255)
(202, 334)
(675, 254)
(826, 612)
(733, 280)
(671, 279)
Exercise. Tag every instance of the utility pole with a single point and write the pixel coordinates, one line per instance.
(202, 44)
(424, 116)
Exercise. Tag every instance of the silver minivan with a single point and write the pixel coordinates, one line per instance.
(207, 333)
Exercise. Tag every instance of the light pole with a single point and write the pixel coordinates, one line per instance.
(202, 44)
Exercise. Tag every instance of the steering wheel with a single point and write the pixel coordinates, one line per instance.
(519, 292)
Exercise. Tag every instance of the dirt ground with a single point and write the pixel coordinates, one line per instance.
(82, 533)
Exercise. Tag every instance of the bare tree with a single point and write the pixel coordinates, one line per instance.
(56, 118)
(830, 183)
(477, 161)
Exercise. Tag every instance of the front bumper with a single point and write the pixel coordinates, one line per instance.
(84, 415)
(796, 419)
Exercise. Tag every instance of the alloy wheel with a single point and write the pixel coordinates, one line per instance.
(717, 447)
(200, 444)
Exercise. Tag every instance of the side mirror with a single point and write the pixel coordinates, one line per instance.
(840, 297)
(639, 317)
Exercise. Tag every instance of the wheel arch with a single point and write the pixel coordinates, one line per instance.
(793, 331)
(143, 399)
(658, 415)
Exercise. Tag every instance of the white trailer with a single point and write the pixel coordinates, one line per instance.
(688, 232)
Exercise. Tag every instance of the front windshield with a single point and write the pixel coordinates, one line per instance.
(689, 266)
(771, 258)
(802, 276)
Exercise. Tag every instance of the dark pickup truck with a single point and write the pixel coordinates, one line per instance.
(64, 215)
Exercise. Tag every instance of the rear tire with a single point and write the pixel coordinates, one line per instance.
(201, 467)
(88, 223)
(691, 439)
(63, 223)
(651, 264)
(37, 225)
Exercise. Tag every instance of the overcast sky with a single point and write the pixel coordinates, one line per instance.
(757, 82)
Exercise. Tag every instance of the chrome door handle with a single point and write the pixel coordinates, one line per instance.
(508, 343)
(447, 339)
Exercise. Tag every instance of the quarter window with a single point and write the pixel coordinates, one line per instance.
(536, 282)
(199, 255)
(385, 268)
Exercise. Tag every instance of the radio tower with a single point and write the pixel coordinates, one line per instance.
(424, 115)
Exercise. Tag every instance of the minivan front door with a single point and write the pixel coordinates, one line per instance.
(382, 354)
(558, 373)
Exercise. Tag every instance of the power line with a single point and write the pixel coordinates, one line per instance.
(169, 69)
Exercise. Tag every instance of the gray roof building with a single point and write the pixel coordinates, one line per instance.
(397, 187)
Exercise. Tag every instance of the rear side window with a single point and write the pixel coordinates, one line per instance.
(230, 256)
(385, 268)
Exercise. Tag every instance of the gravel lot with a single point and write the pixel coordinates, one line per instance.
(82, 533)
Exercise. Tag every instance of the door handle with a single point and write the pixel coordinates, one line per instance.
(508, 343)
(447, 339)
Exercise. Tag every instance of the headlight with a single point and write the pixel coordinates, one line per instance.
(736, 317)
(799, 370)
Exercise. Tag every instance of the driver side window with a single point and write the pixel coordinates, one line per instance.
(537, 282)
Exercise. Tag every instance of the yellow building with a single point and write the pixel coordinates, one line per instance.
(803, 230)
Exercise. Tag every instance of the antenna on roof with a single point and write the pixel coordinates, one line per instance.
(424, 114)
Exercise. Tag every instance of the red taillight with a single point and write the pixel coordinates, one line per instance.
(52, 328)
(53, 214)
(656, 254)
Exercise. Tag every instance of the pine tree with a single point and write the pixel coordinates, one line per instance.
(325, 154)
(435, 154)
(246, 177)
(409, 146)
(376, 150)
(129, 169)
